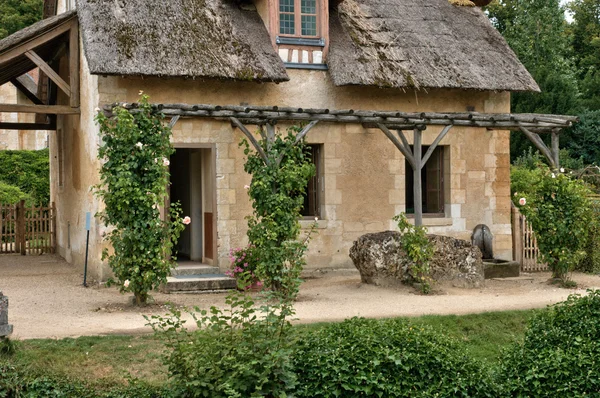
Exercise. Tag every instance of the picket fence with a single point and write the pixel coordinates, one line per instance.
(27, 230)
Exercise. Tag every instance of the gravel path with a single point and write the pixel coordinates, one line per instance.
(47, 299)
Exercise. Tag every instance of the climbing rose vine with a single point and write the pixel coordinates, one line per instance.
(276, 195)
(134, 176)
(559, 211)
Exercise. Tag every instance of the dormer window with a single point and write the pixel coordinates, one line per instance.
(298, 18)
(300, 32)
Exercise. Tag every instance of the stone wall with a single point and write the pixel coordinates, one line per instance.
(364, 175)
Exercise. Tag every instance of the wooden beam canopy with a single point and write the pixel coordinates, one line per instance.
(267, 116)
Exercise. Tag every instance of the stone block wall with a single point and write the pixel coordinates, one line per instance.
(5, 328)
(363, 173)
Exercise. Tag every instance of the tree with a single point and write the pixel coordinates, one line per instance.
(585, 41)
(18, 14)
(536, 30)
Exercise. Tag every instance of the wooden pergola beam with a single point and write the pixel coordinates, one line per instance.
(45, 109)
(269, 114)
(21, 84)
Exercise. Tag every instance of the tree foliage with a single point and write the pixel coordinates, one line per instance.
(563, 57)
(28, 171)
(18, 14)
(134, 174)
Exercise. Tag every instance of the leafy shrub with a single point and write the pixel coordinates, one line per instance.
(9, 194)
(389, 358)
(591, 261)
(419, 249)
(242, 351)
(243, 266)
(29, 171)
(558, 209)
(560, 355)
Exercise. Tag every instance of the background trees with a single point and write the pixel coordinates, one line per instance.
(18, 14)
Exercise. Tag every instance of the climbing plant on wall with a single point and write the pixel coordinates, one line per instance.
(134, 154)
(280, 173)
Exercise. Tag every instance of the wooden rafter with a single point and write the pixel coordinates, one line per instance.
(43, 51)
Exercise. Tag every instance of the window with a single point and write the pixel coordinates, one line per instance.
(432, 184)
(312, 194)
(298, 18)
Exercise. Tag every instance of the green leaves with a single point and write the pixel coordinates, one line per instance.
(276, 193)
(559, 211)
(419, 249)
(135, 151)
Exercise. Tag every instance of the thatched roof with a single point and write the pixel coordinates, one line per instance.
(421, 44)
(35, 30)
(178, 38)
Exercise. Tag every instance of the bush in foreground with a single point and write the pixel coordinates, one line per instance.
(560, 355)
(389, 358)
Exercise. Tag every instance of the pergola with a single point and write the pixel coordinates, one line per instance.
(266, 117)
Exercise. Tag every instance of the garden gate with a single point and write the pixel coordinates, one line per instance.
(525, 248)
(27, 230)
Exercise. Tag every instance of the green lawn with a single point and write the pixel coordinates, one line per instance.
(108, 360)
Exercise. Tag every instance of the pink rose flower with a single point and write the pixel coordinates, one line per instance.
(246, 186)
(522, 201)
(187, 220)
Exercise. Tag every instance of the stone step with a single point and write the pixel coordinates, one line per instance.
(194, 269)
(199, 283)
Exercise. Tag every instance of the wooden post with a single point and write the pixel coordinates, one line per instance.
(517, 236)
(417, 193)
(21, 235)
(53, 228)
(555, 149)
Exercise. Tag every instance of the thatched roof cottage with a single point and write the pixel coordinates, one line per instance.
(360, 66)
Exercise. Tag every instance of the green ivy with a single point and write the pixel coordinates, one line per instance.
(135, 151)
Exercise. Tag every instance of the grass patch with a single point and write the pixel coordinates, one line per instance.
(101, 360)
(106, 361)
(484, 335)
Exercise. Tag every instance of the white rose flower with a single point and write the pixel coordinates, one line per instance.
(522, 201)
(126, 283)
(562, 170)
(139, 145)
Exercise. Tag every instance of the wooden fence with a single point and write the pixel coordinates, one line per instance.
(525, 248)
(27, 230)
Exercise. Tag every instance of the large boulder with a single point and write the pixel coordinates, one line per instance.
(380, 259)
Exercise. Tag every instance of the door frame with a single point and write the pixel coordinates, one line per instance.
(213, 160)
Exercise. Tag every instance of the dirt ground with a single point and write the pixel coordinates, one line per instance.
(47, 299)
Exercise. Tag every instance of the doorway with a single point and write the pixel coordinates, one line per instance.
(192, 185)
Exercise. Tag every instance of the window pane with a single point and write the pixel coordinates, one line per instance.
(309, 6)
(309, 25)
(286, 24)
(310, 207)
(286, 5)
(432, 183)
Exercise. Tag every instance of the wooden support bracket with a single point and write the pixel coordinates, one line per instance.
(541, 146)
(251, 138)
(36, 59)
